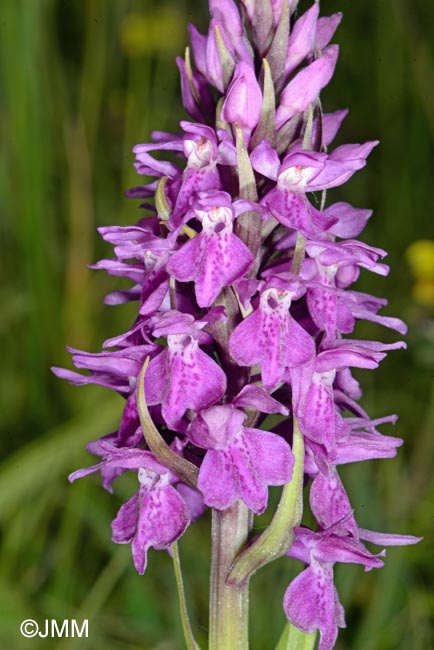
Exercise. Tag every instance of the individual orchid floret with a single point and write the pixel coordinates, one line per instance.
(156, 516)
(215, 257)
(270, 336)
(245, 460)
(302, 172)
(200, 147)
(311, 601)
(349, 253)
(195, 134)
(183, 376)
(357, 439)
(201, 150)
(335, 311)
(313, 391)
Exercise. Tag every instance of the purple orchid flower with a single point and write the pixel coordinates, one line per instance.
(243, 103)
(311, 601)
(200, 147)
(313, 395)
(183, 376)
(158, 514)
(245, 296)
(246, 460)
(306, 171)
(270, 336)
(216, 257)
(356, 439)
(155, 516)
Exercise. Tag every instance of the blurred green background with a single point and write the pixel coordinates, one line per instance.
(81, 83)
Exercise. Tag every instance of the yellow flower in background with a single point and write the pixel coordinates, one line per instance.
(423, 292)
(161, 32)
(420, 257)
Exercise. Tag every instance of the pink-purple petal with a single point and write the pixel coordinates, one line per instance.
(311, 603)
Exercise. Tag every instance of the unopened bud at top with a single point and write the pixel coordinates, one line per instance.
(242, 106)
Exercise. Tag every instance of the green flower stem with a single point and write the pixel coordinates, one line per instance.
(278, 537)
(190, 641)
(228, 622)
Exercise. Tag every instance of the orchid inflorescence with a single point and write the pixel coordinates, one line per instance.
(242, 273)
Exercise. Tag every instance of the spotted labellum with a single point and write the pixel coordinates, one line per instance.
(237, 371)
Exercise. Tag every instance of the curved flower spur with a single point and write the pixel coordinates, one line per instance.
(243, 274)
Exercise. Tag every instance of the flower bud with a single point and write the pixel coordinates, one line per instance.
(242, 106)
